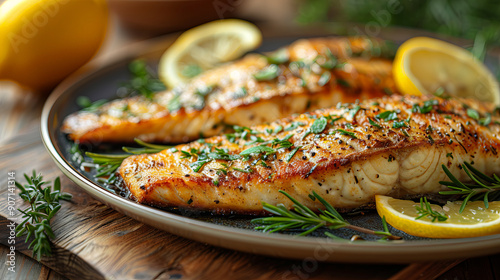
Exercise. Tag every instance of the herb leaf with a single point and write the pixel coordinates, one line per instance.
(425, 210)
(258, 150)
(269, 72)
(44, 204)
(305, 219)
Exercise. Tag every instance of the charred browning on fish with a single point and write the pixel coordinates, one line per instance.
(391, 146)
(318, 73)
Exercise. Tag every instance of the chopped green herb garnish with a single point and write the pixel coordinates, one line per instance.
(473, 114)
(278, 57)
(374, 123)
(268, 73)
(292, 153)
(486, 120)
(175, 103)
(294, 125)
(239, 93)
(317, 127)
(191, 70)
(399, 124)
(343, 83)
(387, 116)
(352, 113)
(344, 132)
(324, 79)
(258, 150)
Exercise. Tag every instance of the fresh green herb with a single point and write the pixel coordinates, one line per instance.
(294, 125)
(374, 123)
(484, 188)
(344, 132)
(425, 210)
(343, 83)
(44, 204)
(257, 150)
(317, 127)
(302, 217)
(279, 57)
(204, 90)
(426, 107)
(399, 124)
(485, 121)
(441, 93)
(270, 72)
(89, 106)
(174, 103)
(191, 70)
(107, 164)
(246, 170)
(324, 79)
(143, 81)
(450, 155)
(352, 113)
(240, 93)
(292, 153)
(473, 114)
(430, 139)
(277, 129)
(387, 116)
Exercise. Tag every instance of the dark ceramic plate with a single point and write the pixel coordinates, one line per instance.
(101, 80)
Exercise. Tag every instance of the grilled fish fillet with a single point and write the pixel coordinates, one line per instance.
(390, 146)
(318, 74)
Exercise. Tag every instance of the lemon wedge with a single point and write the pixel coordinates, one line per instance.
(206, 46)
(424, 65)
(475, 220)
(43, 41)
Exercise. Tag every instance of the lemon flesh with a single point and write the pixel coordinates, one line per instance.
(206, 46)
(475, 220)
(43, 41)
(423, 65)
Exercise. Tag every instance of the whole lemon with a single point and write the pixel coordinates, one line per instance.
(43, 41)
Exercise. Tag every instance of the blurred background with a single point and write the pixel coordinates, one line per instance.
(129, 21)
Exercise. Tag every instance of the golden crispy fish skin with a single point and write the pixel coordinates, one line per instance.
(231, 95)
(390, 146)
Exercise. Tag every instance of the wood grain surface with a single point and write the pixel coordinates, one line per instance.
(96, 242)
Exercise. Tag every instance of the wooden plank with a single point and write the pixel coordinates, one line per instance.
(25, 267)
(95, 242)
(425, 271)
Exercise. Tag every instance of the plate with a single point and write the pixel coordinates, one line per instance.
(102, 78)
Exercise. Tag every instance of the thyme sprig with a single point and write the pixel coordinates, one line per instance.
(302, 217)
(425, 210)
(107, 164)
(486, 188)
(44, 204)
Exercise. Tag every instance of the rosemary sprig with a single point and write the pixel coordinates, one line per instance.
(107, 164)
(44, 204)
(302, 217)
(486, 188)
(425, 210)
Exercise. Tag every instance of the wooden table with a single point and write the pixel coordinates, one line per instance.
(96, 242)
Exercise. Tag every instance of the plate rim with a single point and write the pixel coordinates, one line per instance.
(276, 245)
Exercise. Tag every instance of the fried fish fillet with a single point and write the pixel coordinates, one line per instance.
(390, 146)
(309, 74)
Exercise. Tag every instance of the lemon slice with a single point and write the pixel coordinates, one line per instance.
(424, 65)
(204, 47)
(474, 221)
